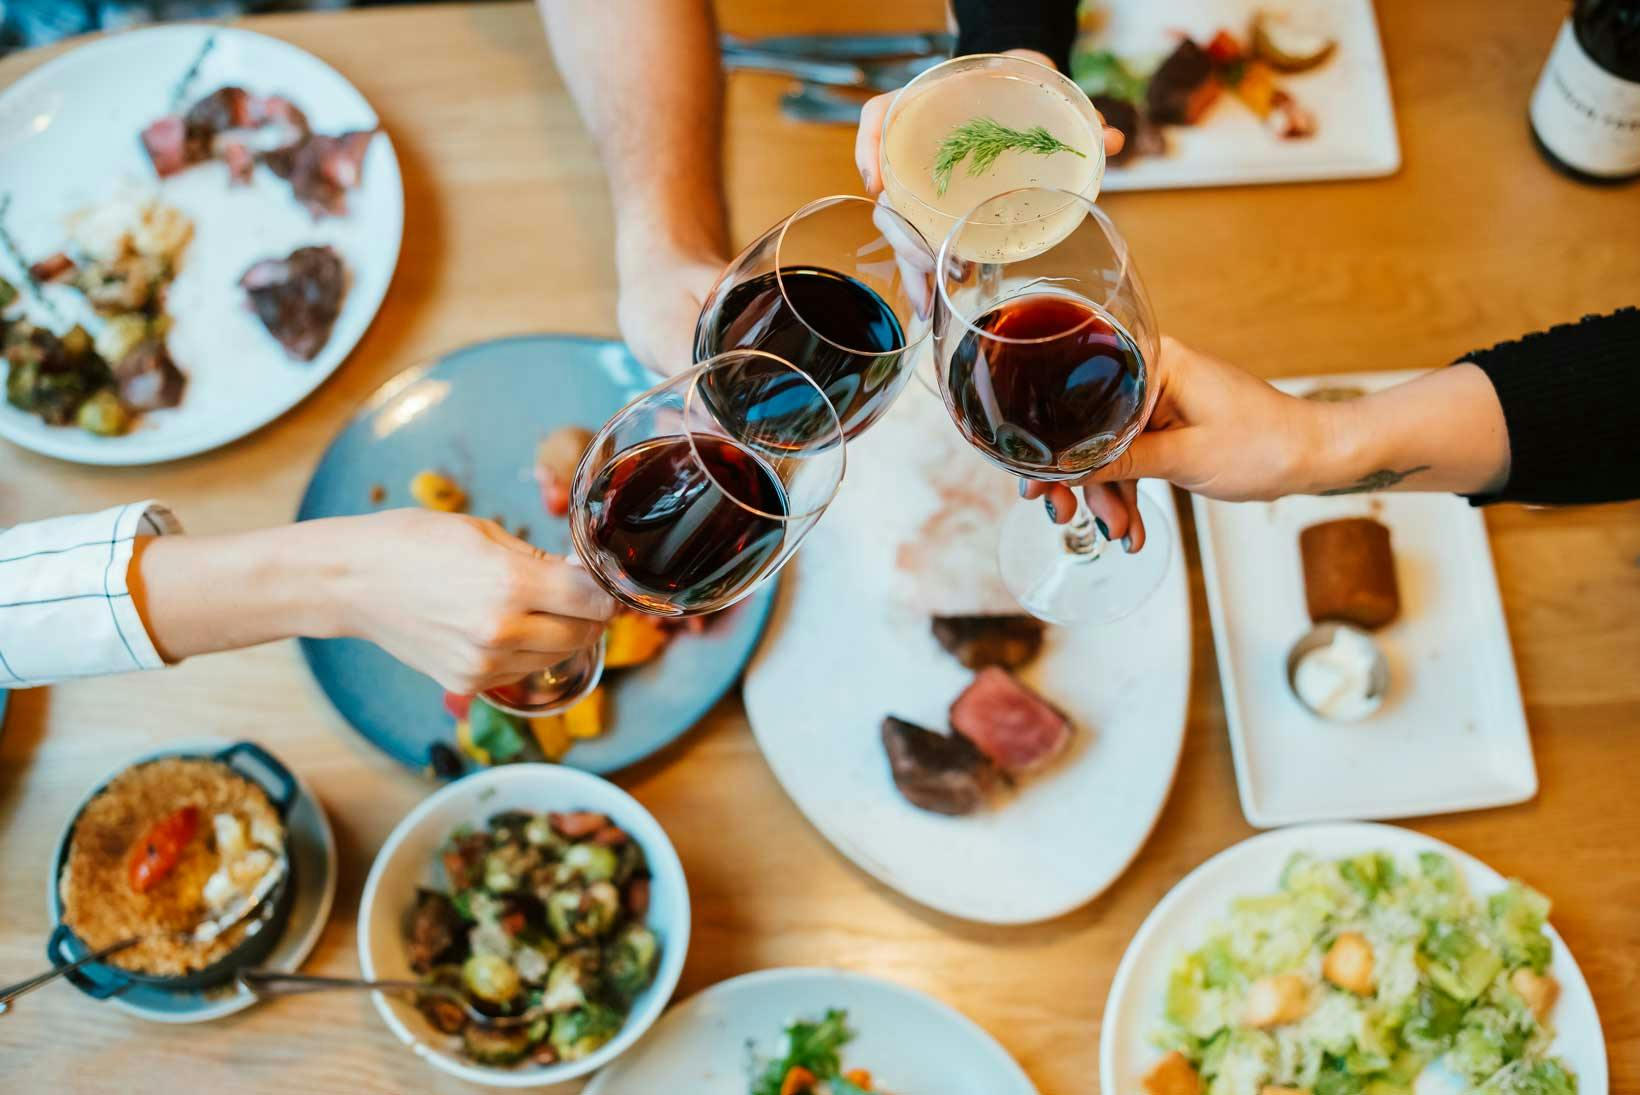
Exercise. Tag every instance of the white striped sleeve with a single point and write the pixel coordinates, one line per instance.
(65, 602)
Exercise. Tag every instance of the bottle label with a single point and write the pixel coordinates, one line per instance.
(1585, 115)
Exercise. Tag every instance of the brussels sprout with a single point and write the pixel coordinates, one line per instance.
(632, 863)
(103, 415)
(77, 342)
(570, 981)
(122, 334)
(21, 382)
(579, 1033)
(539, 832)
(500, 1046)
(8, 293)
(599, 910)
(593, 862)
(564, 912)
(629, 962)
(491, 978)
(504, 869)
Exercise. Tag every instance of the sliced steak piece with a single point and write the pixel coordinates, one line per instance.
(322, 169)
(1183, 88)
(147, 378)
(166, 142)
(1019, 730)
(979, 641)
(943, 773)
(298, 298)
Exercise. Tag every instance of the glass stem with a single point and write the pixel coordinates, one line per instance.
(1081, 536)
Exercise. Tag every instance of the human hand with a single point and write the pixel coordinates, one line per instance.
(1214, 430)
(459, 598)
(659, 305)
(868, 139)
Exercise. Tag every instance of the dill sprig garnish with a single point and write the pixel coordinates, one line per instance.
(981, 140)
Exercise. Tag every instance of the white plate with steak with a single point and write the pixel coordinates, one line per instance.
(1010, 789)
(292, 192)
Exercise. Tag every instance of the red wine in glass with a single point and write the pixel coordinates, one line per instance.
(833, 327)
(680, 528)
(1047, 385)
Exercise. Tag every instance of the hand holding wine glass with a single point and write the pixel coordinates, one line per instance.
(1044, 342)
(1444, 431)
(690, 497)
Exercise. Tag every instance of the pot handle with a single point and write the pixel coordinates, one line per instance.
(106, 982)
(262, 767)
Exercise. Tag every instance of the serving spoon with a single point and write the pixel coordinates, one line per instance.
(266, 983)
(205, 931)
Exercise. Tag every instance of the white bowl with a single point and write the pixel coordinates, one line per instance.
(409, 859)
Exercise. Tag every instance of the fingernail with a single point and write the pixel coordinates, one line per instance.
(1053, 514)
(1104, 529)
(1127, 544)
(1024, 485)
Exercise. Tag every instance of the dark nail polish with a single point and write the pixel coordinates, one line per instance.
(1053, 514)
(1024, 485)
(1127, 544)
(1104, 529)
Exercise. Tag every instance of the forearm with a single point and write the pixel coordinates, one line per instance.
(646, 77)
(1442, 432)
(201, 594)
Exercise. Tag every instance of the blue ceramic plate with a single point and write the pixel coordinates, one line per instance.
(477, 415)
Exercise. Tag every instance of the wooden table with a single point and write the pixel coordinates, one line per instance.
(508, 230)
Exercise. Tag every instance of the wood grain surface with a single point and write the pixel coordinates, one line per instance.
(508, 230)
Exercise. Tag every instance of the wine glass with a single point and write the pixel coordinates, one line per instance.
(1043, 361)
(1041, 129)
(843, 289)
(691, 496)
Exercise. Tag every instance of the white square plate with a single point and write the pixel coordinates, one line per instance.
(1451, 734)
(1349, 95)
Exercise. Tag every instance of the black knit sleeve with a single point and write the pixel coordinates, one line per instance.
(1571, 403)
(991, 26)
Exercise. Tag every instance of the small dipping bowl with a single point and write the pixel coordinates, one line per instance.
(1351, 704)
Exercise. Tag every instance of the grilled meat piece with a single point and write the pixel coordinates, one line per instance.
(298, 298)
(1183, 88)
(979, 641)
(943, 773)
(1016, 728)
(147, 378)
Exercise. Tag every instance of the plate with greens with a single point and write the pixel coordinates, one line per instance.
(814, 1032)
(1350, 960)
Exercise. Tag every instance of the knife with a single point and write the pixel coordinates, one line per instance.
(886, 76)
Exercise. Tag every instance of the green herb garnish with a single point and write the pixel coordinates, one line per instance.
(1102, 73)
(981, 140)
(814, 1046)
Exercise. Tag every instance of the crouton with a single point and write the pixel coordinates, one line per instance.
(1349, 963)
(1173, 1075)
(1276, 1001)
(1539, 991)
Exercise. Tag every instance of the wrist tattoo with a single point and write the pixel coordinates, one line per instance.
(1382, 479)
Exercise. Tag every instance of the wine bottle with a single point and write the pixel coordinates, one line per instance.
(1585, 113)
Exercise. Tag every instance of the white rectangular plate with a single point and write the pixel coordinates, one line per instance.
(1451, 734)
(1349, 95)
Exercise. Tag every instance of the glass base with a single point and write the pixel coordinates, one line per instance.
(554, 689)
(1101, 584)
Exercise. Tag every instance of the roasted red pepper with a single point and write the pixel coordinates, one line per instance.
(158, 852)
